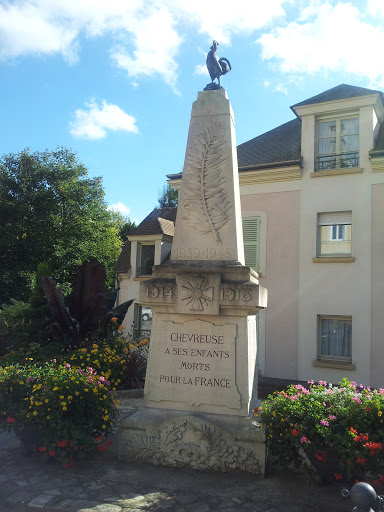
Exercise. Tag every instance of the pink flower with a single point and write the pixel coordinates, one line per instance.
(67, 365)
(332, 417)
(303, 440)
(325, 422)
(322, 382)
(356, 399)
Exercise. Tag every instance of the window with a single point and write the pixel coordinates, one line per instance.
(143, 321)
(146, 260)
(335, 338)
(334, 234)
(337, 144)
(251, 237)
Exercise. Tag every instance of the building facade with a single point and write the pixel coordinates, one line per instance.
(312, 196)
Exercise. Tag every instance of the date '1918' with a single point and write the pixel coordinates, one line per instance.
(212, 253)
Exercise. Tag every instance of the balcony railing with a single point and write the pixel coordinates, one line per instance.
(326, 162)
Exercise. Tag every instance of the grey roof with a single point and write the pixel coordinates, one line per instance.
(123, 264)
(161, 221)
(340, 92)
(282, 146)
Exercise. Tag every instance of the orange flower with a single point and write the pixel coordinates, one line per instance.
(114, 319)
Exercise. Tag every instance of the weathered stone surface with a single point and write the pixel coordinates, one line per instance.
(208, 224)
(192, 441)
(202, 357)
(40, 501)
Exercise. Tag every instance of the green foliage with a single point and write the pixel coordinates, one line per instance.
(124, 224)
(347, 418)
(51, 211)
(13, 324)
(60, 411)
(169, 197)
(121, 362)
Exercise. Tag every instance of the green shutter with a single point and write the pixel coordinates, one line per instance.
(251, 237)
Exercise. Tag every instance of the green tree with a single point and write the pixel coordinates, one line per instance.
(50, 210)
(124, 224)
(168, 197)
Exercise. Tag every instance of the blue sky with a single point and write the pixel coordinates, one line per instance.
(115, 79)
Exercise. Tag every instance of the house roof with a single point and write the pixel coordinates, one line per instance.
(161, 221)
(123, 264)
(280, 146)
(340, 92)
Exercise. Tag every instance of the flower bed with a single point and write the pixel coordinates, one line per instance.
(58, 410)
(321, 419)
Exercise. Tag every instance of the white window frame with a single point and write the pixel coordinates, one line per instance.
(328, 357)
(337, 119)
(332, 219)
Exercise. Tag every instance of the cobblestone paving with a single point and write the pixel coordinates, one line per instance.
(27, 484)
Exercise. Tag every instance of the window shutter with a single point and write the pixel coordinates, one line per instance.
(251, 238)
(334, 218)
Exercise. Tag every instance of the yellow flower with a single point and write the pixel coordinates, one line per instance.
(55, 388)
(131, 346)
(63, 403)
(46, 400)
(379, 413)
(61, 397)
(104, 426)
(34, 413)
(274, 414)
(64, 408)
(21, 382)
(48, 417)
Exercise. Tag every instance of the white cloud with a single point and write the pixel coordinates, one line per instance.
(157, 44)
(95, 122)
(201, 69)
(149, 32)
(332, 38)
(120, 207)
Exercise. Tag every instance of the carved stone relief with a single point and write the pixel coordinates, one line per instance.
(196, 294)
(189, 441)
(206, 201)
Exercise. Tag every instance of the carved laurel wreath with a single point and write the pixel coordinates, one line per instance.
(193, 443)
(206, 202)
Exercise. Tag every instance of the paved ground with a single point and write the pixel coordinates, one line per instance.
(27, 484)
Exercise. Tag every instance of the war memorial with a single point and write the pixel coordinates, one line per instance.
(201, 368)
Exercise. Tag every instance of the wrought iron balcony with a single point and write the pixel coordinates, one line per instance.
(326, 162)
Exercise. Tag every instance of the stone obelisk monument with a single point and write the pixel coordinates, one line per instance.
(202, 358)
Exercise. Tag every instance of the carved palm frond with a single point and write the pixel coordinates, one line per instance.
(206, 202)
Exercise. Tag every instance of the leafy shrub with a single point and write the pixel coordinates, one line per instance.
(59, 410)
(123, 363)
(348, 419)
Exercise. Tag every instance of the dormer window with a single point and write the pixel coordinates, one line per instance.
(146, 259)
(337, 143)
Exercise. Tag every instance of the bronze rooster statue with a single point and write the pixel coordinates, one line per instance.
(216, 67)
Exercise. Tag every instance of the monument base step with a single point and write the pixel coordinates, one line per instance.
(195, 440)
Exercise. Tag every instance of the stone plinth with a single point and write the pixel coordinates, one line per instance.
(205, 442)
(202, 359)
